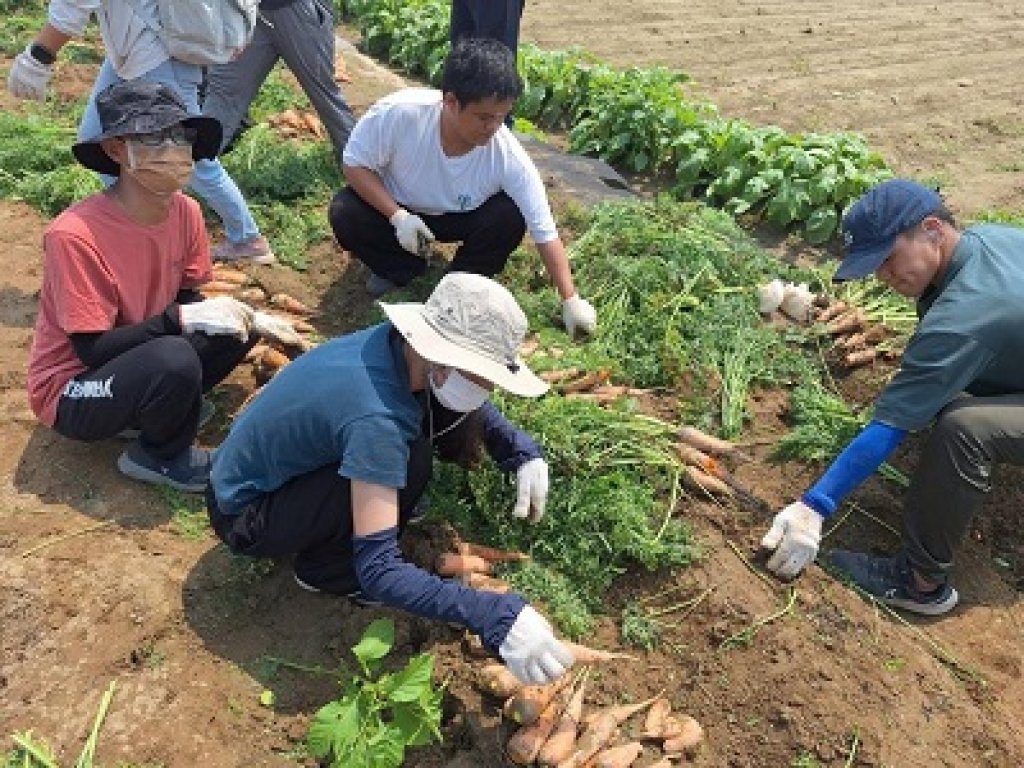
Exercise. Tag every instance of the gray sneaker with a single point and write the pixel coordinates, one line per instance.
(188, 471)
(207, 410)
(377, 286)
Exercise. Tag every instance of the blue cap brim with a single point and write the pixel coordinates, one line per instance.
(863, 262)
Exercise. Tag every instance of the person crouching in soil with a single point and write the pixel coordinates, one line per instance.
(330, 460)
(124, 342)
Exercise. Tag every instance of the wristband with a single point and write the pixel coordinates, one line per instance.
(42, 55)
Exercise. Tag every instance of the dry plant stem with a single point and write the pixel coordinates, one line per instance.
(853, 750)
(869, 516)
(837, 524)
(746, 636)
(65, 537)
(743, 559)
(688, 606)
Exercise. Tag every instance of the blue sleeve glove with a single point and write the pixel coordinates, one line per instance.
(509, 446)
(384, 576)
(853, 466)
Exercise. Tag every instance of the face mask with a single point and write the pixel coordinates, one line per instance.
(162, 170)
(459, 393)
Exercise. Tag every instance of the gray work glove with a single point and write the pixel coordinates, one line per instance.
(578, 314)
(219, 316)
(409, 229)
(532, 652)
(793, 539)
(29, 77)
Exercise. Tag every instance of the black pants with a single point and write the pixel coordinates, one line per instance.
(498, 19)
(488, 235)
(156, 387)
(310, 516)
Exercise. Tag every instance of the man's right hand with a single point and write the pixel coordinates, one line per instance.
(793, 539)
(409, 228)
(29, 78)
(219, 316)
(532, 652)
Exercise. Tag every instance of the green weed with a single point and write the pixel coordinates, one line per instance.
(188, 514)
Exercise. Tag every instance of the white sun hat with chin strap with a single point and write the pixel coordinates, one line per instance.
(473, 324)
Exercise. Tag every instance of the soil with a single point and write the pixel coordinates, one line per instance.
(99, 584)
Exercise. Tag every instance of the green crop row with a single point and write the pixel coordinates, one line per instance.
(644, 120)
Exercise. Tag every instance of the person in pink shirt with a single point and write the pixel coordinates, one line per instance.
(123, 339)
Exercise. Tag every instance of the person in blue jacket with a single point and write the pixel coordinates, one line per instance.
(329, 461)
(961, 374)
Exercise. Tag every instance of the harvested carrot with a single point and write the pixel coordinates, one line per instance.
(714, 446)
(621, 756)
(273, 360)
(621, 712)
(603, 727)
(228, 275)
(475, 646)
(860, 357)
(218, 286)
(290, 304)
(699, 480)
(256, 353)
(586, 382)
(585, 655)
(654, 723)
(848, 322)
(497, 680)
(452, 564)
(525, 706)
(312, 123)
(559, 374)
(524, 745)
(485, 583)
(832, 311)
(302, 326)
(688, 741)
(559, 746)
(253, 294)
(491, 554)
(672, 728)
(697, 458)
(853, 341)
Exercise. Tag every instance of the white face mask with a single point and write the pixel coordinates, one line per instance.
(458, 393)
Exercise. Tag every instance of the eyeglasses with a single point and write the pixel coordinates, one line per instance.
(180, 135)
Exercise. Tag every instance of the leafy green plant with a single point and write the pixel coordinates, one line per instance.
(380, 713)
(31, 752)
(188, 514)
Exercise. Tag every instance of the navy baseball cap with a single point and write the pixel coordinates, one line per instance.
(873, 223)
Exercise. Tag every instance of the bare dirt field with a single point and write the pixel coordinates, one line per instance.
(191, 634)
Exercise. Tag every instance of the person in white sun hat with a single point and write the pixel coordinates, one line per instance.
(330, 460)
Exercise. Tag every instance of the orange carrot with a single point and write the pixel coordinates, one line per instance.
(251, 295)
(709, 444)
(526, 705)
(217, 286)
(699, 480)
(559, 374)
(601, 730)
(274, 360)
(832, 311)
(621, 756)
(491, 554)
(228, 275)
(585, 655)
(853, 341)
(621, 712)
(861, 357)
(848, 322)
(290, 304)
(523, 747)
(312, 123)
(497, 680)
(562, 741)
(688, 741)
(485, 583)
(586, 382)
(256, 353)
(452, 564)
(654, 723)
(302, 326)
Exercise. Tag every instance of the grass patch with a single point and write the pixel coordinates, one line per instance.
(188, 513)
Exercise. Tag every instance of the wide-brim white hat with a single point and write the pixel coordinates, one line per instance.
(474, 324)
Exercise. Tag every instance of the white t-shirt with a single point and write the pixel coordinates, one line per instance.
(399, 138)
(132, 46)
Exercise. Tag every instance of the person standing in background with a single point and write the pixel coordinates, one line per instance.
(486, 18)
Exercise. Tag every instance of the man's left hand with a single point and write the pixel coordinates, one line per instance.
(579, 315)
(531, 490)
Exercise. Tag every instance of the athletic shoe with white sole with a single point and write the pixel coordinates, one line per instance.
(890, 580)
(254, 251)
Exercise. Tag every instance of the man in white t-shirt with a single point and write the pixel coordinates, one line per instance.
(425, 165)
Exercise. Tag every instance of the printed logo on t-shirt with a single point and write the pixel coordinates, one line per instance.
(464, 202)
(80, 390)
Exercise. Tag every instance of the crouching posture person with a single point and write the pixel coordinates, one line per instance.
(123, 340)
(330, 461)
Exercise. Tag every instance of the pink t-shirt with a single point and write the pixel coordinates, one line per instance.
(103, 269)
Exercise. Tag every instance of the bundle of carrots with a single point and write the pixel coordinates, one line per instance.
(474, 564)
(857, 339)
(589, 385)
(701, 454)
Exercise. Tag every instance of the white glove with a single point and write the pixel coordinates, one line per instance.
(531, 490)
(219, 316)
(578, 314)
(276, 329)
(532, 652)
(29, 77)
(794, 537)
(409, 228)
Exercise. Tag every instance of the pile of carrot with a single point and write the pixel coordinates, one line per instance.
(857, 340)
(701, 453)
(294, 123)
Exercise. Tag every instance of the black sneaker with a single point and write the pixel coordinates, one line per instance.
(355, 595)
(188, 471)
(206, 412)
(891, 581)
